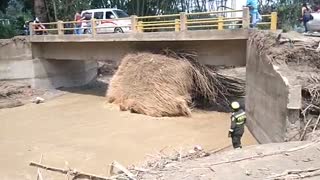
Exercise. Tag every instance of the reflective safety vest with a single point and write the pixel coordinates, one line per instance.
(239, 117)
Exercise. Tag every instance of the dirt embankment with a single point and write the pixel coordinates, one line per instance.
(13, 94)
(294, 160)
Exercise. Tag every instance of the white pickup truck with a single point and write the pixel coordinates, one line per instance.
(109, 20)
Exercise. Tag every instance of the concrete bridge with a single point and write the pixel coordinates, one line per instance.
(214, 47)
(55, 53)
(53, 61)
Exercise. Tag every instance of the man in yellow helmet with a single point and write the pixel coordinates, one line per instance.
(238, 120)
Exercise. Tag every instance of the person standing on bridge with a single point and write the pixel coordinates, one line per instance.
(238, 120)
(39, 28)
(306, 15)
(77, 18)
(254, 13)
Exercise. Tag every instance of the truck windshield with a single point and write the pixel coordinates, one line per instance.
(121, 14)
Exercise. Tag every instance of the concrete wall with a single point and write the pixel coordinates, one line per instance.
(18, 64)
(272, 105)
(16, 59)
(228, 52)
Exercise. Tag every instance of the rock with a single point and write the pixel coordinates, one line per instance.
(248, 173)
(197, 148)
(38, 100)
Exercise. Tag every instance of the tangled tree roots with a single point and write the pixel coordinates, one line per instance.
(166, 84)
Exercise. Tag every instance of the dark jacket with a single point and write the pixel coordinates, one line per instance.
(238, 120)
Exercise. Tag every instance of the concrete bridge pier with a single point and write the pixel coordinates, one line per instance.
(22, 62)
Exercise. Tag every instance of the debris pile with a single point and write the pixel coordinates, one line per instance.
(14, 94)
(162, 159)
(10, 90)
(152, 84)
(268, 161)
(118, 171)
(107, 67)
(169, 84)
(11, 94)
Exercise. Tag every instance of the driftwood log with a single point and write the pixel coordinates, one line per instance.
(296, 174)
(72, 172)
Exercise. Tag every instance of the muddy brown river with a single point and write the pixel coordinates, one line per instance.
(82, 131)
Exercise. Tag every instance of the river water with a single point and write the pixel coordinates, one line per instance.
(80, 130)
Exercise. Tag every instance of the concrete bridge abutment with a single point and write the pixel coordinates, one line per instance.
(19, 61)
(272, 103)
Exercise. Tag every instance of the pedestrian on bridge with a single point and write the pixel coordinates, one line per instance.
(39, 28)
(306, 15)
(77, 18)
(238, 120)
(254, 13)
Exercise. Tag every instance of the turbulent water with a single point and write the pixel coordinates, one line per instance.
(80, 130)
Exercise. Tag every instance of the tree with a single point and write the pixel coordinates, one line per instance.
(4, 5)
(40, 10)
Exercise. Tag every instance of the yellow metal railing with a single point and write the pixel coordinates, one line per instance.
(172, 22)
(169, 22)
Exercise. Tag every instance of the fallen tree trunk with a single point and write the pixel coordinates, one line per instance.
(296, 174)
(72, 172)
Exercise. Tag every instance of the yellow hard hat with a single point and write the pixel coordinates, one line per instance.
(235, 105)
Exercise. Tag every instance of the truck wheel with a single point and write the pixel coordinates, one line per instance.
(118, 30)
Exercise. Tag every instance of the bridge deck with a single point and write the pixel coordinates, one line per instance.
(200, 35)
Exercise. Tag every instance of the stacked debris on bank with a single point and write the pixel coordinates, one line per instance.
(169, 84)
(299, 56)
(12, 93)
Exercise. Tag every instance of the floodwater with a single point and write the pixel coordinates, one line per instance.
(82, 131)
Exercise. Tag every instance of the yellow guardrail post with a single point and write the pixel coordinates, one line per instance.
(183, 21)
(220, 23)
(177, 25)
(274, 19)
(140, 27)
(245, 18)
(93, 27)
(60, 28)
(134, 23)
